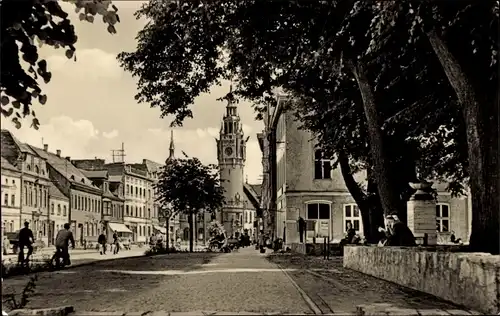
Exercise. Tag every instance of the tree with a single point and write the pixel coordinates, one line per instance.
(333, 57)
(189, 187)
(25, 23)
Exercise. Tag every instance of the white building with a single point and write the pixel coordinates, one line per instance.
(59, 210)
(11, 197)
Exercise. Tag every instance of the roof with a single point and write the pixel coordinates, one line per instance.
(54, 192)
(115, 178)
(257, 189)
(251, 195)
(8, 166)
(152, 166)
(25, 148)
(65, 168)
(95, 173)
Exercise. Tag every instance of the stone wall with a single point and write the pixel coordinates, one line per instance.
(467, 279)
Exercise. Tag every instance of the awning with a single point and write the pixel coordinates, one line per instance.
(119, 228)
(162, 230)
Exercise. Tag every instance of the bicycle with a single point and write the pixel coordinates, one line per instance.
(58, 261)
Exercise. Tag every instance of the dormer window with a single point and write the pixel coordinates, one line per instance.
(83, 180)
(28, 167)
(72, 177)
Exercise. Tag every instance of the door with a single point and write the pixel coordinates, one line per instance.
(51, 233)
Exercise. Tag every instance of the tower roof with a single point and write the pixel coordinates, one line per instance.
(171, 154)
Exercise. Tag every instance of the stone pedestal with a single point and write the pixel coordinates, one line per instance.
(422, 213)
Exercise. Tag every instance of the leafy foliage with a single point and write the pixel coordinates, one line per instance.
(189, 187)
(24, 26)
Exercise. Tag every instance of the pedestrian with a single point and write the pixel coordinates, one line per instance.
(63, 238)
(26, 239)
(101, 240)
(116, 244)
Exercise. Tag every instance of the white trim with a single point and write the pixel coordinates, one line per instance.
(351, 218)
(317, 193)
(441, 218)
(319, 202)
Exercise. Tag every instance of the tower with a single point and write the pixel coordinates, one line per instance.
(231, 155)
(171, 148)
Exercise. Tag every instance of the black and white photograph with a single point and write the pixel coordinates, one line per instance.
(250, 157)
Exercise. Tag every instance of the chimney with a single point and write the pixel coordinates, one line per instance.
(68, 158)
(58, 153)
(46, 147)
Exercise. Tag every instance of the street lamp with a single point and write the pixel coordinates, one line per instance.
(167, 213)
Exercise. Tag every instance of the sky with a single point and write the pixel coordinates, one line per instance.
(91, 107)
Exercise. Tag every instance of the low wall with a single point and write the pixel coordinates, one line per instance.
(298, 248)
(468, 279)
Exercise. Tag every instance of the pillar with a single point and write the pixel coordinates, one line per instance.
(422, 212)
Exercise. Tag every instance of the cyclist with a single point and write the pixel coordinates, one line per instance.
(64, 237)
(26, 239)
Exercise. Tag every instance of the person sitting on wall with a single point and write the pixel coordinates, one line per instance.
(397, 233)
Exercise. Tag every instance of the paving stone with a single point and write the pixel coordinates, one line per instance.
(402, 312)
(457, 312)
(136, 313)
(431, 312)
(159, 313)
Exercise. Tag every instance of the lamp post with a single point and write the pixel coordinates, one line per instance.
(167, 213)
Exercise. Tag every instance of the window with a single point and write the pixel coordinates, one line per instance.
(52, 208)
(322, 166)
(36, 197)
(442, 217)
(37, 170)
(25, 194)
(28, 167)
(59, 209)
(149, 213)
(44, 198)
(353, 216)
(126, 210)
(13, 200)
(136, 190)
(6, 181)
(316, 211)
(128, 189)
(318, 224)
(64, 210)
(6, 199)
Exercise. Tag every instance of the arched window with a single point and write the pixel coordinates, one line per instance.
(28, 167)
(185, 234)
(59, 209)
(64, 210)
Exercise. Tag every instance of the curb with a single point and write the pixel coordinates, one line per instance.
(56, 311)
(75, 265)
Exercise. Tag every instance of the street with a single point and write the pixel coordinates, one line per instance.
(234, 282)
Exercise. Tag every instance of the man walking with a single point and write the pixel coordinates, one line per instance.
(26, 239)
(116, 244)
(63, 238)
(102, 241)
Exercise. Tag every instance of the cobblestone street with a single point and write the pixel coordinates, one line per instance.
(241, 281)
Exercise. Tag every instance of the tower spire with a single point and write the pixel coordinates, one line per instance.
(171, 154)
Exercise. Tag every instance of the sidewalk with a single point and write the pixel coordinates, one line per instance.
(80, 256)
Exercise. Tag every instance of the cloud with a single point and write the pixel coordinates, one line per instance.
(91, 64)
(113, 134)
(72, 137)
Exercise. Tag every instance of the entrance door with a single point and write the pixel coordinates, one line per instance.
(51, 231)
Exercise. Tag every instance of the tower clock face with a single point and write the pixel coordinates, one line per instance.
(228, 151)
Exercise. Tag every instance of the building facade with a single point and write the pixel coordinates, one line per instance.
(35, 184)
(231, 155)
(299, 182)
(59, 211)
(85, 199)
(11, 196)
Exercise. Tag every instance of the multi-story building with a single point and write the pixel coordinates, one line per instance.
(231, 155)
(113, 203)
(299, 182)
(136, 217)
(11, 196)
(35, 184)
(59, 211)
(85, 198)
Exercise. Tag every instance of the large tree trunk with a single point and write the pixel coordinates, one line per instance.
(191, 230)
(368, 203)
(481, 122)
(382, 167)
